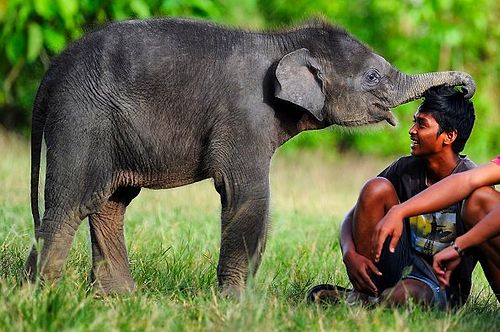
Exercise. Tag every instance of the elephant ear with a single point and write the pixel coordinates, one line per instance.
(300, 81)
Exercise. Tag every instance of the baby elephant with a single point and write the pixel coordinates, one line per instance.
(163, 103)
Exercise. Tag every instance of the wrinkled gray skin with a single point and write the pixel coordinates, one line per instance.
(167, 102)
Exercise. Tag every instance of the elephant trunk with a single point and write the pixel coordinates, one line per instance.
(412, 87)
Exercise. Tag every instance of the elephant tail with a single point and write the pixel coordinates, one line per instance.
(37, 130)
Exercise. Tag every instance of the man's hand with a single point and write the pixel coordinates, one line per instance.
(390, 225)
(444, 262)
(359, 269)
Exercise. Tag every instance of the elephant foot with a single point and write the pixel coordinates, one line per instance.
(232, 286)
(232, 291)
(47, 272)
(107, 280)
(106, 286)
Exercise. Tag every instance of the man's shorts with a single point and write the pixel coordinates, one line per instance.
(422, 271)
(406, 263)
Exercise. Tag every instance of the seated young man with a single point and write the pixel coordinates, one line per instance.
(442, 125)
(483, 234)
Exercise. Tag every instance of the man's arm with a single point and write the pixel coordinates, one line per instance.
(440, 195)
(447, 260)
(484, 230)
(346, 240)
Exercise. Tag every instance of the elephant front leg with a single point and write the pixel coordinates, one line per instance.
(245, 206)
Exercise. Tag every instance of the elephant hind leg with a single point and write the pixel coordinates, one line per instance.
(54, 237)
(65, 208)
(110, 265)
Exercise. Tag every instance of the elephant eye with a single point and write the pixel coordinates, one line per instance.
(372, 76)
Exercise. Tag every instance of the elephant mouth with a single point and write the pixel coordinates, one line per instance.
(384, 113)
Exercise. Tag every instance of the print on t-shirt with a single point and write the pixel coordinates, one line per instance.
(432, 232)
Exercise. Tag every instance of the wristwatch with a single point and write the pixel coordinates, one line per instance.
(459, 250)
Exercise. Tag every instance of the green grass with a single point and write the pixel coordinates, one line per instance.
(173, 238)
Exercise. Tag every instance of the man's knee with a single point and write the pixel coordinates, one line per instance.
(479, 204)
(408, 290)
(376, 197)
(378, 190)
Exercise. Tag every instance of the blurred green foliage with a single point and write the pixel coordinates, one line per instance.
(415, 35)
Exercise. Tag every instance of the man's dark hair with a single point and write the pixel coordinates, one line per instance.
(452, 111)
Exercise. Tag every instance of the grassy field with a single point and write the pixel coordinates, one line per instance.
(173, 238)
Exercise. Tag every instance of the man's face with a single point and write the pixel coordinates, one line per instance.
(423, 134)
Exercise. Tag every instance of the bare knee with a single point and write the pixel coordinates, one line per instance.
(479, 204)
(378, 191)
(407, 290)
